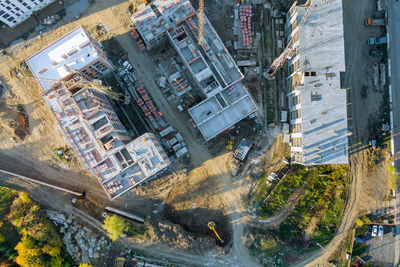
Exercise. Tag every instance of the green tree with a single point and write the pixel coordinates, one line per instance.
(85, 265)
(115, 226)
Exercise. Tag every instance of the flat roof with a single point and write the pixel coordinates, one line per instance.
(221, 111)
(323, 101)
(69, 53)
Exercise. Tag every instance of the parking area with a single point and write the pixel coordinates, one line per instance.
(379, 248)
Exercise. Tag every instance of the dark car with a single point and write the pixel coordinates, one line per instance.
(376, 53)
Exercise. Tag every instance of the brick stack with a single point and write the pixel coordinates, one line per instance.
(146, 105)
(245, 14)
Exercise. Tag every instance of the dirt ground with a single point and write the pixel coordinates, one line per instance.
(207, 192)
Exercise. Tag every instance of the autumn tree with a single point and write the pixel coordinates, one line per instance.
(115, 226)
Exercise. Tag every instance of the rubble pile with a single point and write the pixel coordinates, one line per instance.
(81, 243)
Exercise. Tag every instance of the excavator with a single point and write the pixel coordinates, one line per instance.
(229, 146)
(211, 225)
(287, 53)
(94, 85)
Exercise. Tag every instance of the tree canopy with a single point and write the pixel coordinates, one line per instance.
(115, 226)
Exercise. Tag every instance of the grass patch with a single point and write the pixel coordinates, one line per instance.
(283, 190)
(269, 250)
(324, 199)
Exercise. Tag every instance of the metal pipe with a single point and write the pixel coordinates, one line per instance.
(43, 183)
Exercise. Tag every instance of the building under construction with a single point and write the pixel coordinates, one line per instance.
(318, 110)
(86, 117)
(214, 71)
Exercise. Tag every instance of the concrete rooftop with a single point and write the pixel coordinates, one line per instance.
(323, 101)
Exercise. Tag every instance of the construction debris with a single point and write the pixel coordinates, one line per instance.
(81, 243)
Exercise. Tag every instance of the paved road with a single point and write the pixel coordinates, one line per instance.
(394, 56)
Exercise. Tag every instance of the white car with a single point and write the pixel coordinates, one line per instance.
(380, 230)
(374, 231)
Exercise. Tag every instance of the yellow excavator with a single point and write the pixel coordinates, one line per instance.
(229, 146)
(211, 225)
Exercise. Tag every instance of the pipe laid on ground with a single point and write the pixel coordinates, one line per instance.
(125, 214)
(43, 183)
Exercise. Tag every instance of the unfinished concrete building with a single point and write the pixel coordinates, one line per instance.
(318, 110)
(86, 117)
(13, 12)
(214, 71)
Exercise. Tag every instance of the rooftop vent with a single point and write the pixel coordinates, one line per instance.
(316, 97)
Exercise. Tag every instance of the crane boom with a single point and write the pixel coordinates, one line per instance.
(96, 85)
(201, 22)
(279, 61)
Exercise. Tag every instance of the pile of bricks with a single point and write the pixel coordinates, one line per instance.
(180, 84)
(245, 13)
(140, 44)
(146, 104)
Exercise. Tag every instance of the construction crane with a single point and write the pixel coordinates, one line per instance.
(201, 22)
(184, 89)
(279, 61)
(211, 225)
(95, 85)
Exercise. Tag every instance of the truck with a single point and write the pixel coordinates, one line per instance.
(375, 22)
(377, 41)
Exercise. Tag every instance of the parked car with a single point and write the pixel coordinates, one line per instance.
(357, 263)
(358, 239)
(369, 231)
(376, 53)
(374, 231)
(380, 230)
(377, 40)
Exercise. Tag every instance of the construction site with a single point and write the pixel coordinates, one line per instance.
(174, 111)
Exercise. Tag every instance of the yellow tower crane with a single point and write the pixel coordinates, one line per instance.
(211, 225)
(95, 85)
(201, 22)
(184, 89)
(287, 53)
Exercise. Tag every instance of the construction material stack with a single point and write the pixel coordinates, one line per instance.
(245, 14)
(179, 83)
(146, 105)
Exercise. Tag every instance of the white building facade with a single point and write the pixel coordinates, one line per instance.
(13, 12)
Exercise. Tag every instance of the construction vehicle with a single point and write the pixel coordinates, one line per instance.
(229, 146)
(84, 84)
(377, 40)
(287, 53)
(201, 22)
(375, 22)
(211, 225)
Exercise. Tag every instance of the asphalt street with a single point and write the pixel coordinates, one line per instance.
(394, 56)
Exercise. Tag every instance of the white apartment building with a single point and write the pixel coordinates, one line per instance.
(13, 12)
(317, 101)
